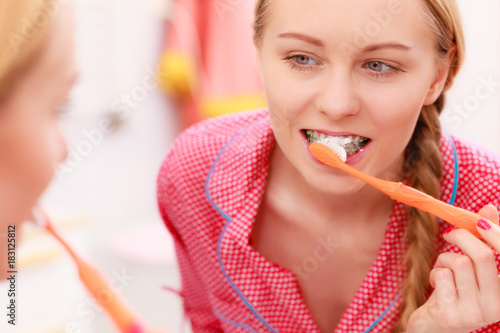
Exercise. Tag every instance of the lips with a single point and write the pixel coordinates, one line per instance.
(351, 143)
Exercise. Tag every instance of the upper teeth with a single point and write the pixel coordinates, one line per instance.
(339, 139)
(350, 144)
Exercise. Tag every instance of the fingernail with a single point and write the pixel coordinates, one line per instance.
(484, 224)
(447, 231)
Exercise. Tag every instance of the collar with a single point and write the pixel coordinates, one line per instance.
(235, 187)
(236, 181)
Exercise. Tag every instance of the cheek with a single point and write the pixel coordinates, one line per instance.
(30, 159)
(43, 159)
(393, 119)
(398, 125)
(394, 110)
(280, 112)
(394, 138)
(286, 96)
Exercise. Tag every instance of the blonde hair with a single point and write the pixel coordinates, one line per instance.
(24, 26)
(424, 162)
(423, 156)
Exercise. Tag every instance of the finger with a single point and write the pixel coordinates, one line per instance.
(490, 212)
(482, 256)
(463, 273)
(445, 289)
(441, 263)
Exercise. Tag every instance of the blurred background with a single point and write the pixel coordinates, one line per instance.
(103, 199)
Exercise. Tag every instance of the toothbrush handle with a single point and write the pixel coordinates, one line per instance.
(114, 305)
(459, 217)
(456, 216)
(96, 285)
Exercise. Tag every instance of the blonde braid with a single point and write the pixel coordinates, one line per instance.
(425, 166)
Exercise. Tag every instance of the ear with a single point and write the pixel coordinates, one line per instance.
(439, 82)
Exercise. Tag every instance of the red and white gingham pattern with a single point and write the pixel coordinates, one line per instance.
(236, 186)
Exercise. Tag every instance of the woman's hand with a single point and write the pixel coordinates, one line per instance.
(466, 292)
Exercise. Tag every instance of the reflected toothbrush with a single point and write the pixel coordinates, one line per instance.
(326, 152)
(125, 320)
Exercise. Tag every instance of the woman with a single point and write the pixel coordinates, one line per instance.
(269, 239)
(37, 70)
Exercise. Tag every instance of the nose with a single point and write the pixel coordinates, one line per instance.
(62, 147)
(337, 97)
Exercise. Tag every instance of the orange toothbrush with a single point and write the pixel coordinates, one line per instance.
(458, 217)
(122, 316)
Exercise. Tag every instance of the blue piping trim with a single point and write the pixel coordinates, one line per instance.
(455, 182)
(219, 258)
(221, 317)
(207, 192)
(384, 313)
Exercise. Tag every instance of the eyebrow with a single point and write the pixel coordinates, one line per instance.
(305, 38)
(369, 48)
(396, 46)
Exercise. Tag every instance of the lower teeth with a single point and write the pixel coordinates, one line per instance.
(352, 149)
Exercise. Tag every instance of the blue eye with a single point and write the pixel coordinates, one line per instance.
(377, 66)
(304, 61)
(301, 62)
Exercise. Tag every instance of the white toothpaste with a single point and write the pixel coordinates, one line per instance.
(335, 145)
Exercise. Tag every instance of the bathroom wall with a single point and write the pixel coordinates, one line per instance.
(473, 108)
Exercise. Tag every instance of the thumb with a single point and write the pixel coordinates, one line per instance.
(490, 213)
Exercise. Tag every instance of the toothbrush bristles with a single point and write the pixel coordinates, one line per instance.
(336, 148)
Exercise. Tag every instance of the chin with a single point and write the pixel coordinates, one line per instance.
(336, 184)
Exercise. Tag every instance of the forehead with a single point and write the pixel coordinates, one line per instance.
(57, 58)
(351, 21)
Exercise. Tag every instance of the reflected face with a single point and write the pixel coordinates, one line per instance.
(31, 144)
(357, 70)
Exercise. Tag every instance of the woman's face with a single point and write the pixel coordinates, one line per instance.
(348, 68)
(31, 144)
